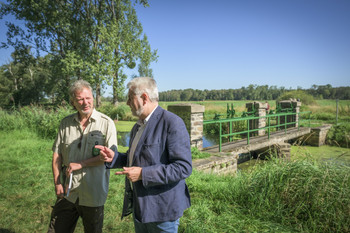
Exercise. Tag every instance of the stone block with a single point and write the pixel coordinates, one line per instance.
(318, 136)
(192, 115)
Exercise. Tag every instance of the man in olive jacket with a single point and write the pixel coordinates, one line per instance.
(156, 164)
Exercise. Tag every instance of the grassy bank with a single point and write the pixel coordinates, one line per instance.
(300, 196)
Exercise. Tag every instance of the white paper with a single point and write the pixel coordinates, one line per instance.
(70, 184)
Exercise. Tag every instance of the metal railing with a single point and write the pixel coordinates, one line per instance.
(275, 122)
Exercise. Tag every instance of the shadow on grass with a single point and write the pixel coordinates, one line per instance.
(2, 230)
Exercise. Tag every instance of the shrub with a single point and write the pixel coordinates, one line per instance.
(339, 135)
(197, 154)
(11, 121)
(324, 116)
(305, 98)
(44, 122)
(114, 112)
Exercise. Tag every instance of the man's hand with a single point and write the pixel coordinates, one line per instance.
(74, 167)
(132, 173)
(59, 191)
(106, 154)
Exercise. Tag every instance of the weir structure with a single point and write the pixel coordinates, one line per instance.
(265, 130)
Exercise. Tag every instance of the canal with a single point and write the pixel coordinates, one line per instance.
(124, 138)
(245, 161)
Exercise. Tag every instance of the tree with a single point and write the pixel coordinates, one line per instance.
(25, 80)
(146, 58)
(94, 39)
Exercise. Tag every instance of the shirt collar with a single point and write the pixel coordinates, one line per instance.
(143, 122)
(92, 117)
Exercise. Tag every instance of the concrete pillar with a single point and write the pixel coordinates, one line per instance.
(293, 106)
(279, 150)
(318, 135)
(192, 115)
(260, 111)
(283, 150)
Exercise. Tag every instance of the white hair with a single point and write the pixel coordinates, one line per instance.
(142, 85)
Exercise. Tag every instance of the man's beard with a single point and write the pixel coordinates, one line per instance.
(138, 112)
(87, 112)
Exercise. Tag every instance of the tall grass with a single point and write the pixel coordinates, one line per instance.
(290, 196)
(280, 196)
(44, 122)
(339, 135)
(297, 196)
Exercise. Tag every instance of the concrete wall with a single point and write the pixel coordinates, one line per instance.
(218, 164)
(318, 135)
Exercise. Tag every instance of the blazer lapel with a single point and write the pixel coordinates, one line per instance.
(134, 130)
(152, 122)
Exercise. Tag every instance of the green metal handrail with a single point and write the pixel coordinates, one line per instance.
(269, 127)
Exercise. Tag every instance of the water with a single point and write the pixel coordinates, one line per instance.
(208, 142)
(124, 138)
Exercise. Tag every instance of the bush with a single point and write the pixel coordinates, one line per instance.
(197, 154)
(11, 121)
(339, 135)
(323, 116)
(115, 113)
(44, 122)
(305, 98)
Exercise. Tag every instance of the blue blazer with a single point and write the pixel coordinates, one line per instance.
(164, 153)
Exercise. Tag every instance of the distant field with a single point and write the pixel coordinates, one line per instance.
(239, 106)
(324, 111)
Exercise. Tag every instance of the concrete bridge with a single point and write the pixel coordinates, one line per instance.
(259, 142)
(225, 160)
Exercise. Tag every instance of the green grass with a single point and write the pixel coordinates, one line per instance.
(324, 153)
(26, 182)
(124, 126)
(298, 196)
(302, 196)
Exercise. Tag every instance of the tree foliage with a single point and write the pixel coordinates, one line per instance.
(93, 40)
(254, 92)
(25, 81)
(304, 97)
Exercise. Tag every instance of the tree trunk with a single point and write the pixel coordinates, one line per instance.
(98, 95)
(115, 90)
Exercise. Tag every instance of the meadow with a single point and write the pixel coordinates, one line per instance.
(322, 110)
(297, 196)
(305, 194)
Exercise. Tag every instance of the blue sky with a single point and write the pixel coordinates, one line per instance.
(233, 43)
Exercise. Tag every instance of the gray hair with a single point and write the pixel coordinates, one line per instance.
(142, 85)
(78, 86)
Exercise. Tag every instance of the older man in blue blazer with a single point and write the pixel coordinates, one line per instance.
(157, 163)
